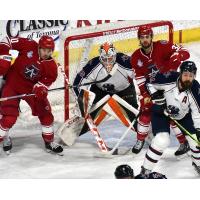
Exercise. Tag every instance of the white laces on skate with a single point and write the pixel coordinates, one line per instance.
(138, 144)
(54, 145)
(7, 141)
(182, 147)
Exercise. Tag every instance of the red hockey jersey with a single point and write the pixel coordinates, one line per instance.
(28, 69)
(158, 60)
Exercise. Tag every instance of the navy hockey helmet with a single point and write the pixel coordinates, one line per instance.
(188, 66)
(124, 171)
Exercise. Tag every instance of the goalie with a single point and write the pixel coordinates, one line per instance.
(112, 90)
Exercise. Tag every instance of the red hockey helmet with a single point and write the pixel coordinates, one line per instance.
(145, 30)
(46, 42)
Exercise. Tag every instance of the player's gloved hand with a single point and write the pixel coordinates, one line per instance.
(40, 91)
(174, 61)
(145, 101)
(158, 97)
(171, 111)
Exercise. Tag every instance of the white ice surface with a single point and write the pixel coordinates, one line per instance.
(29, 159)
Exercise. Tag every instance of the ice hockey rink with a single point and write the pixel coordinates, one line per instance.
(28, 158)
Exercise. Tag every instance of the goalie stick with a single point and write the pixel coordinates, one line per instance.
(89, 121)
(114, 150)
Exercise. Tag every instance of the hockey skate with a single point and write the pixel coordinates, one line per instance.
(138, 146)
(7, 145)
(144, 173)
(52, 147)
(197, 168)
(182, 150)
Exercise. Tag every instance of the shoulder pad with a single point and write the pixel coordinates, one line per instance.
(165, 78)
(124, 60)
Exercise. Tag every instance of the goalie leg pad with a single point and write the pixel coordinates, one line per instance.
(125, 104)
(85, 101)
(113, 108)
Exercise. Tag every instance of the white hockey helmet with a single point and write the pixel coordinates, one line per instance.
(107, 54)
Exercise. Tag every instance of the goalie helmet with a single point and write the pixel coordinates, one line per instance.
(188, 66)
(124, 171)
(107, 55)
(145, 30)
(46, 42)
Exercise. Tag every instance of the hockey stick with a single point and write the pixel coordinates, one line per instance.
(114, 150)
(182, 128)
(55, 89)
(95, 132)
(89, 121)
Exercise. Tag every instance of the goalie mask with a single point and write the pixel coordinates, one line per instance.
(107, 55)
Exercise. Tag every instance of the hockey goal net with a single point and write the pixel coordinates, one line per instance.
(81, 44)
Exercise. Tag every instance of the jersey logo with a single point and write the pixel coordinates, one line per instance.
(125, 57)
(30, 54)
(153, 72)
(108, 87)
(31, 72)
(184, 99)
(140, 63)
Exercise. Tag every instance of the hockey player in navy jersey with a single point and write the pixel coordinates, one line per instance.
(112, 95)
(176, 95)
(126, 172)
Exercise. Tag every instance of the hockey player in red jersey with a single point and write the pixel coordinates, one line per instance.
(33, 71)
(160, 56)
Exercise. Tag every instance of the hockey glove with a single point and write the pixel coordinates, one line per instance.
(145, 102)
(172, 111)
(40, 90)
(158, 97)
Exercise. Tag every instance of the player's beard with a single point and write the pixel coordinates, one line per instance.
(185, 85)
(146, 45)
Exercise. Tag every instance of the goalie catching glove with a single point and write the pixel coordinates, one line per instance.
(40, 90)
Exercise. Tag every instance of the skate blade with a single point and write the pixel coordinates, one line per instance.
(52, 152)
(196, 169)
(117, 153)
(7, 152)
(183, 156)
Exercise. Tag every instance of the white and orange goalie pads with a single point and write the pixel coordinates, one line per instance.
(71, 129)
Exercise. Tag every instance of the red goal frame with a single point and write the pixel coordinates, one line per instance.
(98, 34)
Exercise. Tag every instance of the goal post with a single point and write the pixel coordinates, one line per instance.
(82, 44)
